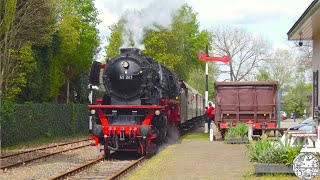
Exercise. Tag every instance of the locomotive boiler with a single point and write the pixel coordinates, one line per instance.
(142, 99)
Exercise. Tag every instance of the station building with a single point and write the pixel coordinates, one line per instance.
(307, 27)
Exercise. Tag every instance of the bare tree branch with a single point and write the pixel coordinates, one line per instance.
(245, 50)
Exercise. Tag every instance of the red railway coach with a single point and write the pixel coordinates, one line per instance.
(249, 102)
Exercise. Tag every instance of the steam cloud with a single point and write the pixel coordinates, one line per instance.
(141, 15)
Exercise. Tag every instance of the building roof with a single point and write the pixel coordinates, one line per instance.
(308, 24)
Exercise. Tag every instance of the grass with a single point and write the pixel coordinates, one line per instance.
(196, 136)
(271, 177)
(153, 165)
(41, 141)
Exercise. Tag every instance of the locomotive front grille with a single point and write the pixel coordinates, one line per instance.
(124, 119)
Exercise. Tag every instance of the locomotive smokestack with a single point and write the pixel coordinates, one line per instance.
(133, 50)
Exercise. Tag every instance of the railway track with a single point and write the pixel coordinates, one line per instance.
(42, 148)
(18, 162)
(101, 169)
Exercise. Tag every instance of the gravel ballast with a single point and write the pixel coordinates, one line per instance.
(52, 166)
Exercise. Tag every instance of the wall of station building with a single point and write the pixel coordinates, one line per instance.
(316, 61)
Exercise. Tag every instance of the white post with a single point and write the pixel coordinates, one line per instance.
(206, 97)
(205, 127)
(206, 88)
(250, 132)
(211, 134)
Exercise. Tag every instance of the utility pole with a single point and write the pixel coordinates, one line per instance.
(203, 56)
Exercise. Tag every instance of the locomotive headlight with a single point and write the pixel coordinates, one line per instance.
(92, 111)
(125, 64)
(157, 112)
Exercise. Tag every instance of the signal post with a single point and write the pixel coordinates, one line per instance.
(203, 56)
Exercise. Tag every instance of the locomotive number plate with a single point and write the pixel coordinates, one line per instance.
(129, 77)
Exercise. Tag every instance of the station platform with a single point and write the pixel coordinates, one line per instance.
(195, 157)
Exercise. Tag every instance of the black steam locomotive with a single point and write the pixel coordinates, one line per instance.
(141, 100)
(131, 78)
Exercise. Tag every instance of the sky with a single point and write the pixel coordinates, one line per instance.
(271, 19)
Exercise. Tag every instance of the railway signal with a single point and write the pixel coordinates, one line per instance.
(203, 56)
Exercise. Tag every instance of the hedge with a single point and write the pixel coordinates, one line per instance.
(23, 122)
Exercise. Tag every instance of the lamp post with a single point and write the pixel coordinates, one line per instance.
(203, 56)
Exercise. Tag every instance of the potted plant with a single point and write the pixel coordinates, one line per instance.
(237, 134)
(273, 156)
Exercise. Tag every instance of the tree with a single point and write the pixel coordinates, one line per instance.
(263, 75)
(115, 39)
(245, 50)
(75, 44)
(280, 66)
(197, 80)
(304, 54)
(298, 98)
(175, 47)
(23, 23)
(65, 52)
(178, 46)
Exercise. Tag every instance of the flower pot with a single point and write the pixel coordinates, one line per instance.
(272, 168)
(237, 140)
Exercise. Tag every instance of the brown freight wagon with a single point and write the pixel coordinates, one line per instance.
(248, 102)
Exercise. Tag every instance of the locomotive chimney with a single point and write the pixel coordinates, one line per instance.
(132, 50)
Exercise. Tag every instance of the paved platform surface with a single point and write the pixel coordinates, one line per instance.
(198, 159)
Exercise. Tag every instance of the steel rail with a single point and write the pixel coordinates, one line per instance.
(42, 148)
(127, 169)
(78, 169)
(47, 155)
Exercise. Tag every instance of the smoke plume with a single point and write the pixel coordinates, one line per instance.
(141, 16)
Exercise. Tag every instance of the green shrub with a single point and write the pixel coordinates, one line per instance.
(23, 122)
(240, 130)
(267, 151)
(290, 152)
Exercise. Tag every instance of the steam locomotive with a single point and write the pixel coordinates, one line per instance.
(142, 102)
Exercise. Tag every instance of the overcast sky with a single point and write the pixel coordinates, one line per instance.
(269, 18)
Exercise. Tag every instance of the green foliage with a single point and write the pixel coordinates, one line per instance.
(298, 98)
(24, 24)
(280, 66)
(290, 152)
(76, 41)
(25, 58)
(240, 130)
(267, 151)
(64, 53)
(263, 75)
(197, 80)
(178, 46)
(115, 39)
(175, 47)
(24, 122)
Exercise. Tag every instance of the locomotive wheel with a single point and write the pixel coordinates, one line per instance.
(106, 151)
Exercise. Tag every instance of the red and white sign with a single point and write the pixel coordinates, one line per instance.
(202, 56)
